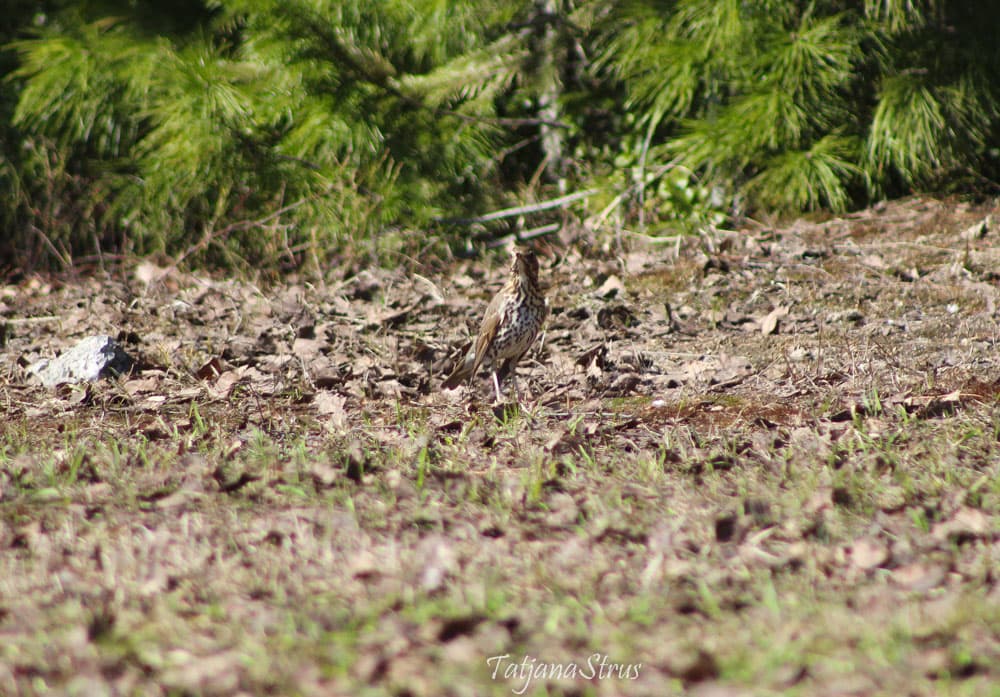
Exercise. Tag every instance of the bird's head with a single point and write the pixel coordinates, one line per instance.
(525, 266)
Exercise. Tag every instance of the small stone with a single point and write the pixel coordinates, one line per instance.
(91, 359)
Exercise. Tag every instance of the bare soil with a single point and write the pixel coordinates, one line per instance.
(752, 462)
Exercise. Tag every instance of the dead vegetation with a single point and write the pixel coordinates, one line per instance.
(756, 462)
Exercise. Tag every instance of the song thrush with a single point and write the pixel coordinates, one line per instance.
(512, 321)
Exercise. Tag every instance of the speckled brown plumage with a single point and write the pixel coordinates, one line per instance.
(512, 321)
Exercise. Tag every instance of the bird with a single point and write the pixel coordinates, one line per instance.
(512, 321)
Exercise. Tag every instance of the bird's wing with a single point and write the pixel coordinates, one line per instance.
(488, 329)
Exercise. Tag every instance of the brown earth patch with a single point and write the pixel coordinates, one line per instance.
(762, 460)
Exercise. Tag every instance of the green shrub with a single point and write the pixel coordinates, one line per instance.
(808, 105)
(258, 133)
(257, 128)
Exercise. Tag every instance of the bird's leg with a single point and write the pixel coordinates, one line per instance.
(496, 386)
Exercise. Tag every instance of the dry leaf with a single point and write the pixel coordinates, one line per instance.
(439, 560)
(919, 576)
(611, 288)
(769, 324)
(966, 524)
(869, 553)
(332, 404)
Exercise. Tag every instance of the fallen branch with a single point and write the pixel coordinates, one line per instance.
(526, 235)
(520, 210)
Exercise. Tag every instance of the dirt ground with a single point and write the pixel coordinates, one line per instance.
(752, 462)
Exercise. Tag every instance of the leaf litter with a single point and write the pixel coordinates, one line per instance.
(735, 463)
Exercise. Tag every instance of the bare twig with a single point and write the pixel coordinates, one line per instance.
(212, 235)
(525, 235)
(520, 210)
(32, 320)
(63, 258)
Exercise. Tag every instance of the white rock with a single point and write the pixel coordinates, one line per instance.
(91, 359)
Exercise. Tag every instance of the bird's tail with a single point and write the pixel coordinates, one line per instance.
(462, 372)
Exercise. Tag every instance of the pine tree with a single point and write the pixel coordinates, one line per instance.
(242, 131)
(801, 106)
(352, 117)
